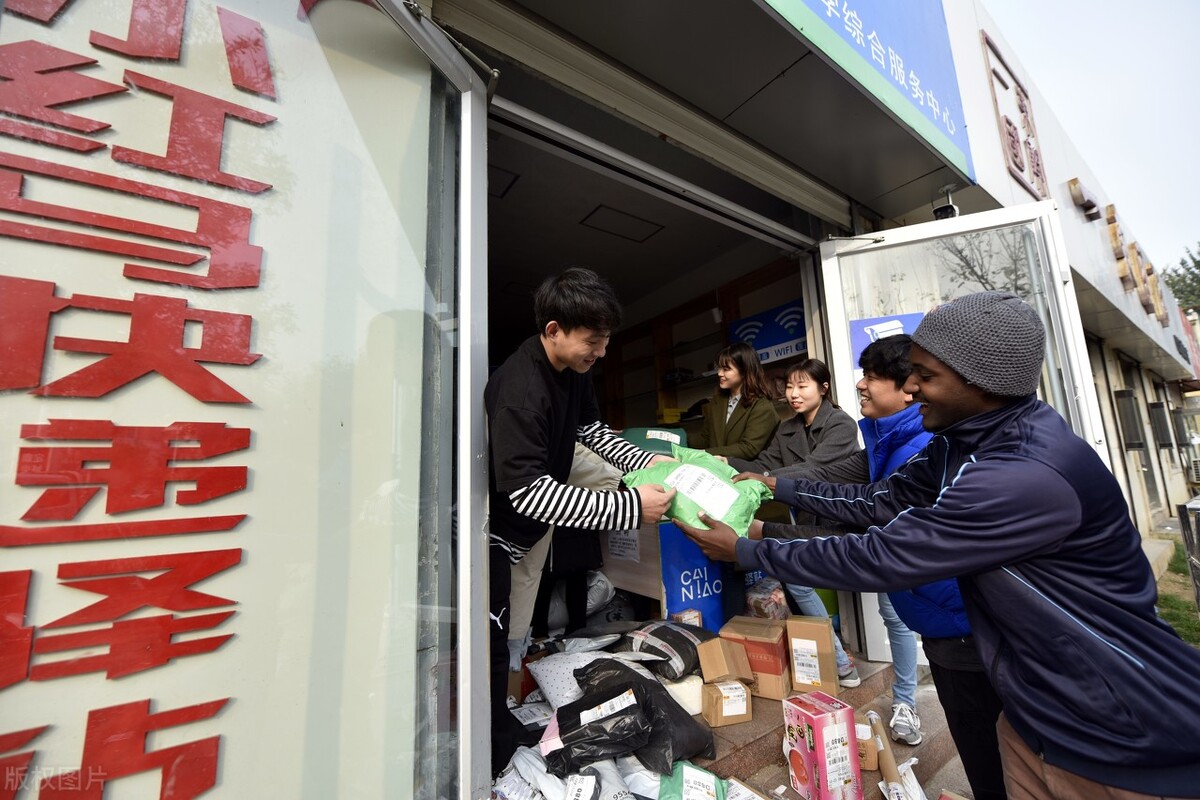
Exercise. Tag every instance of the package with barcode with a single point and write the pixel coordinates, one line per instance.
(702, 483)
(689, 782)
(725, 703)
(604, 724)
(821, 747)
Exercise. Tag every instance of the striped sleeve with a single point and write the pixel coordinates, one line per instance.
(549, 501)
(600, 439)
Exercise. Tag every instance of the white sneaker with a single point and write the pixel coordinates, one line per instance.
(905, 724)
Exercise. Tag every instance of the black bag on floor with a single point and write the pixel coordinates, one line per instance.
(674, 733)
(602, 724)
(673, 641)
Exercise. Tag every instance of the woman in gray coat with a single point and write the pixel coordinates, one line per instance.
(820, 433)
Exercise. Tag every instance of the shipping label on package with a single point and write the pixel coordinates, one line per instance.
(733, 698)
(698, 784)
(608, 708)
(806, 666)
(704, 489)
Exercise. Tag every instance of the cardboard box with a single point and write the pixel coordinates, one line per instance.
(736, 790)
(868, 751)
(820, 746)
(765, 641)
(689, 616)
(725, 703)
(724, 660)
(810, 645)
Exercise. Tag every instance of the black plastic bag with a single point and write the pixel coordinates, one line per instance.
(602, 724)
(674, 641)
(674, 733)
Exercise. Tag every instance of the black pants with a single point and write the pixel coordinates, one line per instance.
(575, 593)
(504, 724)
(972, 708)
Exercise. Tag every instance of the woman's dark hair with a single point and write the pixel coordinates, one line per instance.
(889, 358)
(815, 369)
(576, 298)
(745, 359)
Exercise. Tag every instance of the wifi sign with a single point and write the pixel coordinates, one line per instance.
(791, 319)
(777, 333)
(748, 331)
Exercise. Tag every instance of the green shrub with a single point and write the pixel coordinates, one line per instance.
(1181, 615)
(1178, 563)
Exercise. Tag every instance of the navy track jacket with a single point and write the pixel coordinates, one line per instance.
(1056, 587)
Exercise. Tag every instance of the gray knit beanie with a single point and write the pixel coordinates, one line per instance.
(994, 340)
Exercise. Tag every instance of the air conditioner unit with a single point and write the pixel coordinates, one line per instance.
(1196, 470)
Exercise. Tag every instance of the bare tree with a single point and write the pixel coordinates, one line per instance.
(994, 260)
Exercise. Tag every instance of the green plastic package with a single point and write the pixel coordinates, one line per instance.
(702, 483)
(688, 780)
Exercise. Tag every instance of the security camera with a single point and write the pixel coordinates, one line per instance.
(946, 211)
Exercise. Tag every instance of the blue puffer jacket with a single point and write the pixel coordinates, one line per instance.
(1057, 589)
(934, 610)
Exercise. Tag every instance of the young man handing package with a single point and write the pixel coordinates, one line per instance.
(1101, 698)
(539, 403)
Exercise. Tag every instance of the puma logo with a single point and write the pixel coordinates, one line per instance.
(496, 617)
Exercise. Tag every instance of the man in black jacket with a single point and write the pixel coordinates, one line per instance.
(539, 403)
(1101, 698)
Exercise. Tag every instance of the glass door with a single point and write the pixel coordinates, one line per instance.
(880, 284)
(884, 283)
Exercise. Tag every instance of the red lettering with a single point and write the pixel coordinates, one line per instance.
(140, 464)
(127, 593)
(196, 137)
(40, 10)
(15, 638)
(115, 746)
(246, 52)
(25, 307)
(29, 536)
(134, 645)
(222, 228)
(156, 345)
(13, 769)
(35, 79)
(155, 31)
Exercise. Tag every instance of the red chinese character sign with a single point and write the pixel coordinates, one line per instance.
(212, 309)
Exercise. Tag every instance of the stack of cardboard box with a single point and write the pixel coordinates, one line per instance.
(728, 678)
(765, 641)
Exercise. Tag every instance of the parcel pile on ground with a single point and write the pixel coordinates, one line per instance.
(621, 709)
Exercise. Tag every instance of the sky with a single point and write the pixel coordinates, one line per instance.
(1123, 80)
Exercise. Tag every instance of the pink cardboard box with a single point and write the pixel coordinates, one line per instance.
(821, 748)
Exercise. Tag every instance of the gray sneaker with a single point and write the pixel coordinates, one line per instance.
(850, 678)
(905, 724)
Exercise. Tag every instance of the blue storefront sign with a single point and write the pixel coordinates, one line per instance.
(865, 331)
(899, 52)
(776, 334)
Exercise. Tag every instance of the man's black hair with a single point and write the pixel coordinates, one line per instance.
(888, 358)
(576, 298)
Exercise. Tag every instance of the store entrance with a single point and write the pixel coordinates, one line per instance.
(689, 282)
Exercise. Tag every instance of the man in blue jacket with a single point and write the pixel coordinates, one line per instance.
(1101, 697)
(892, 430)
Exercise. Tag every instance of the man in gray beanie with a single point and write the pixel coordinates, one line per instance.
(1101, 698)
